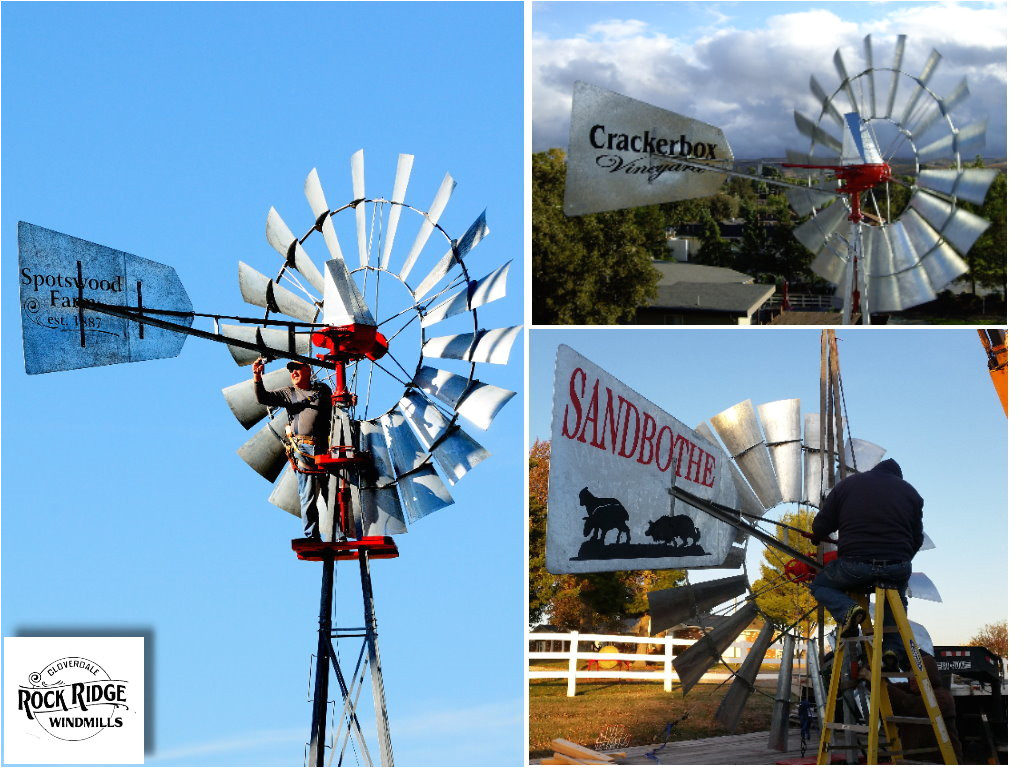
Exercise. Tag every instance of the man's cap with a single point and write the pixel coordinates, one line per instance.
(294, 365)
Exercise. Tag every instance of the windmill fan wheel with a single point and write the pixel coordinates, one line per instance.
(778, 466)
(361, 263)
(917, 236)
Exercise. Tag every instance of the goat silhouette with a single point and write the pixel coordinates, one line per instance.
(603, 515)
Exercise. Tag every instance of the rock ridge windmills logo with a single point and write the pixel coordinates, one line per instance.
(73, 699)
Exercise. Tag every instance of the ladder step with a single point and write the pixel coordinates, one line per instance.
(915, 751)
(847, 727)
(901, 720)
(884, 675)
(842, 747)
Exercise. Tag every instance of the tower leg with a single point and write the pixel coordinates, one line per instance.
(323, 661)
(373, 656)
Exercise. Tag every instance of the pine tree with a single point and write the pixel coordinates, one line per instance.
(594, 268)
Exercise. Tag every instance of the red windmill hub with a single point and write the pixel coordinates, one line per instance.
(854, 180)
(345, 344)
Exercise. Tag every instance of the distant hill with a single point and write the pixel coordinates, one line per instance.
(901, 166)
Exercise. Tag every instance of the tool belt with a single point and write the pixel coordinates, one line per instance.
(301, 462)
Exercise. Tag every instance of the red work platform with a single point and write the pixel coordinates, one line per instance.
(376, 548)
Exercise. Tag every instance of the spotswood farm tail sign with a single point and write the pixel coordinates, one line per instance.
(614, 456)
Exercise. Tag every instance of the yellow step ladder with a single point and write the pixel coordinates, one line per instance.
(880, 714)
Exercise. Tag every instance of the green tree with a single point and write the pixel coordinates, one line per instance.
(789, 259)
(683, 212)
(594, 268)
(715, 250)
(593, 601)
(786, 602)
(723, 206)
(987, 259)
(995, 637)
(753, 254)
(651, 222)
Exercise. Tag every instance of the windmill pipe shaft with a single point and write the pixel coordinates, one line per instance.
(738, 174)
(137, 317)
(732, 517)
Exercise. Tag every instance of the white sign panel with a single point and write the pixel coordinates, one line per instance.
(624, 153)
(614, 456)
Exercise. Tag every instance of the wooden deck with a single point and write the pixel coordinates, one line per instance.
(793, 317)
(744, 749)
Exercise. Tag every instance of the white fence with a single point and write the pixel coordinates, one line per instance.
(666, 649)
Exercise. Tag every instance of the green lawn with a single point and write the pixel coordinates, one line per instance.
(635, 711)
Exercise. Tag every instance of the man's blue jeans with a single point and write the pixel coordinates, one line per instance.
(309, 488)
(842, 575)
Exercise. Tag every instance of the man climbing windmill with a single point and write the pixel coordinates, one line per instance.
(308, 405)
(878, 515)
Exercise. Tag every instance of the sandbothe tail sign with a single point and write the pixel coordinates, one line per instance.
(614, 457)
(624, 153)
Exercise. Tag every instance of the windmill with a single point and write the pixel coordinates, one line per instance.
(396, 443)
(624, 153)
(886, 259)
(638, 480)
(780, 457)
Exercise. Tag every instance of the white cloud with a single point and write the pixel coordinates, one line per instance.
(470, 735)
(493, 716)
(242, 742)
(612, 30)
(433, 736)
(748, 82)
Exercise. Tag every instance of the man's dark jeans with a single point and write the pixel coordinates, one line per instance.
(842, 575)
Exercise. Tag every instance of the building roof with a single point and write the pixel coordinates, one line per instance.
(676, 272)
(712, 297)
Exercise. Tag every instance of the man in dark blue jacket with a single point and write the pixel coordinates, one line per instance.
(878, 515)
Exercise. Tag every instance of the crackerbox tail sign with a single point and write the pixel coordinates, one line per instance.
(614, 458)
(624, 153)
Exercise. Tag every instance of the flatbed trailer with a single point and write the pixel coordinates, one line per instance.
(977, 679)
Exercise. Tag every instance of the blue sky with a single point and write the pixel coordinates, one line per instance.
(924, 395)
(745, 66)
(168, 130)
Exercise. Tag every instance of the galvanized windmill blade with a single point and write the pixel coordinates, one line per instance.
(778, 466)
(905, 256)
(342, 271)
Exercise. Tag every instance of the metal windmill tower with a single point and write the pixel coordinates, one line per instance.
(880, 128)
(778, 460)
(355, 286)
